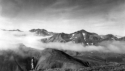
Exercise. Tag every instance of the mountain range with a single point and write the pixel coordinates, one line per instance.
(81, 36)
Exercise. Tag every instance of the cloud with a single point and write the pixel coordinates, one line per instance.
(105, 47)
(54, 8)
(14, 40)
(99, 16)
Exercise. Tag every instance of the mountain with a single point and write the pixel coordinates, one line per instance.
(122, 39)
(59, 37)
(52, 58)
(29, 59)
(19, 60)
(81, 36)
(41, 32)
(85, 37)
(13, 30)
(109, 37)
(10, 61)
(25, 58)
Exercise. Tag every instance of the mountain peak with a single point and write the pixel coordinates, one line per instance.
(34, 30)
(12, 30)
(42, 32)
(81, 31)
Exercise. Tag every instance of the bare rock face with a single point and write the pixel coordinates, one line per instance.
(52, 58)
(81, 36)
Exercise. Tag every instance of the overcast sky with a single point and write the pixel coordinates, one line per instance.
(99, 16)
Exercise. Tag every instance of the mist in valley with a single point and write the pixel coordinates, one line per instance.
(13, 40)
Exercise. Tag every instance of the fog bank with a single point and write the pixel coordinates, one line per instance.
(12, 40)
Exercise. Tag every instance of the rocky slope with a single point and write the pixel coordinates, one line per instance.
(52, 58)
(46, 59)
(26, 59)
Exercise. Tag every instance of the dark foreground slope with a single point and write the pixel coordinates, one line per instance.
(15, 61)
(47, 59)
(52, 58)
(20, 60)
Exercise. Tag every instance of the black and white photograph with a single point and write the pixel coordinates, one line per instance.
(62, 35)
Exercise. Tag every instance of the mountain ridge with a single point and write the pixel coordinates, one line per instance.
(81, 36)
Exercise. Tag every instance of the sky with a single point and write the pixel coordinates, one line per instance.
(99, 16)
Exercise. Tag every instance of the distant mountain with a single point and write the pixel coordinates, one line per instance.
(82, 36)
(12, 30)
(122, 39)
(59, 37)
(41, 32)
(85, 37)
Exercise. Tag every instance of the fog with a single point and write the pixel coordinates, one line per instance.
(107, 46)
(12, 40)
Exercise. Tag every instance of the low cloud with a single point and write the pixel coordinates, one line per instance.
(106, 46)
(13, 39)
(10, 40)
